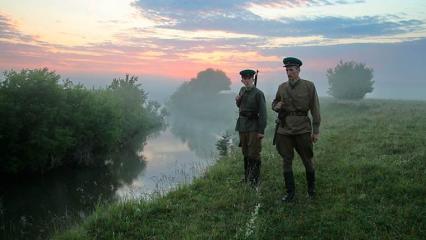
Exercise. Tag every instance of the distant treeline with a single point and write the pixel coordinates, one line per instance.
(46, 123)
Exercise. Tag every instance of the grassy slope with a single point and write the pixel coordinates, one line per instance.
(371, 168)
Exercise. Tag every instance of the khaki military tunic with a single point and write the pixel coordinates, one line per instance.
(302, 97)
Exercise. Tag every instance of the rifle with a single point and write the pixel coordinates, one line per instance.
(255, 78)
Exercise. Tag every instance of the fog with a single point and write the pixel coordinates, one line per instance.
(399, 71)
(160, 89)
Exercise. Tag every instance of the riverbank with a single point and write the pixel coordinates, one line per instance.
(371, 170)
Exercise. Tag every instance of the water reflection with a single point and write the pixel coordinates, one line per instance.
(33, 208)
(201, 135)
(169, 162)
(176, 155)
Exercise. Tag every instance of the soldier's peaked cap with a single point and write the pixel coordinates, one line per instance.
(247, 73)
(292, 61)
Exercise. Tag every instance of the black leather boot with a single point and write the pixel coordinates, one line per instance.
(245, 178)
(289, 184)
(310, 179)
(250, 171)
(255, 177)
(246, 170)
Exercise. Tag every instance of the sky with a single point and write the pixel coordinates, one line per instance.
(166, 42)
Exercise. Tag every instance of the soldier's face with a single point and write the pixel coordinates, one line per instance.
(247, 81)
(293, 72)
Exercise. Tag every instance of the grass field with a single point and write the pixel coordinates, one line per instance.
(371, 184)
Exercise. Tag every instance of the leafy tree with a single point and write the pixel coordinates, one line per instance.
(31, 103)
(139, 116)
(201, 97)
(45, 124)
(350, 80)
(210, 81)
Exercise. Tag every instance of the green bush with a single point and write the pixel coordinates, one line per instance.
(350, 80)
(45, 124)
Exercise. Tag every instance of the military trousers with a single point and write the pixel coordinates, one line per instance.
(302, 143)
(251, 147)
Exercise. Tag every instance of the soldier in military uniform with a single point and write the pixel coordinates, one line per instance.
(294, 99)
(251, 125)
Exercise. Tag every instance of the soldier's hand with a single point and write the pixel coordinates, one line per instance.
(260, 135)
(278, 106)
(238, 98)
(315, 137)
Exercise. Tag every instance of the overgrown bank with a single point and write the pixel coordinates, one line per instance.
(47, 124)
(371, 177)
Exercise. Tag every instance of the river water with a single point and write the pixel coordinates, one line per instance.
(35, 208)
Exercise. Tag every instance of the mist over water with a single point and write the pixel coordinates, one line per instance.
(200, 112)
(175, 156)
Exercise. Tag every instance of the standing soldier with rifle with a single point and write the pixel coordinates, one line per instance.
(251, 124)
(294, 99)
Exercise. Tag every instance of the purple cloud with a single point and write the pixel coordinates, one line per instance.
(232, 16)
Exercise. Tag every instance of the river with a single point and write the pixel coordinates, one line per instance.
(35, 208)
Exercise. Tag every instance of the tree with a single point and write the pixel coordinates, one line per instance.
(210, 81)
(350, 80)
(46, 125)
(202, 97)
(32, 133)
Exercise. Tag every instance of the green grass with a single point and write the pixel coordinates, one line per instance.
(371, 184)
